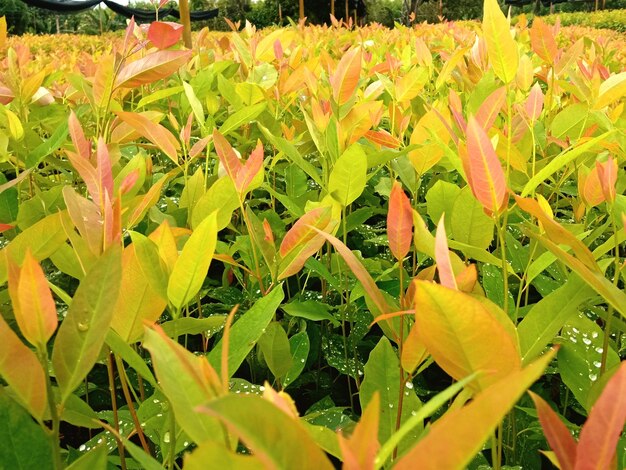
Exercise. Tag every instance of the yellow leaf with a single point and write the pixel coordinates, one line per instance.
(501, 47)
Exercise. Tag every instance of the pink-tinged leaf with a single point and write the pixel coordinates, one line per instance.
(228, 158)
(359, 271)
(164, 34)
(383, 138)
(487, 179)
(88, 173)
(185, 132)
(267, 230)
(399, 222)
(147, 200)
(589, 186)
(601, 432)
(199, 147)
(301, 241)
(534, 103)
(21, 369)
(6, 95)
(153, 67)
(607, 175)
(557, 434)
(81, 144)
(455, 438)
(442, 257)
(491, 107)
(5, 227)
(413, 351)
(130, 31)
(155, 133)
(36, 315)
(346, 77)
(250, 169)
(542, 40)
(360, 449)
(105, 175)
(129, 181)
(465, 334)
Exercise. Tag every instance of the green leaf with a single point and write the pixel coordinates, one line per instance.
(24, 443)
(193, 263)
(276, 349)
(194, 326)
(195, 104)
(241, 117)
(468, 222)
(348, 177)
(220, 457)
(273, 437)
(247, 330)
(187, 382)
(501, 48)
(440, 199)
(299, 345)
(311, 310)
(130, 356)
(221, 197)
(545, 319)
(382, 375)
(95, 459)
(82, 332)
(580, 357)
(56, 140)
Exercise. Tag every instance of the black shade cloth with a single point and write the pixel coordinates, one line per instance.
(547, 3)
(70, 6)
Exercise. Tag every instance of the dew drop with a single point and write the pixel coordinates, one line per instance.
(597, 364)
(82, 447)
(599, 350)
(390, 405)
(409, 385)
(586, 340)
(166, 437)
(83, 325)
(593, 377)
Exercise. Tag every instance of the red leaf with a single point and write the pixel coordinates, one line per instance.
(6, 95)
(129, 181)
(442, 257)
(5, 227)
(164, 34)
(151, 68)
(383, 138)
(557, 434)
(399, 222)
(486, 178)
(601, 432)
(359, 450)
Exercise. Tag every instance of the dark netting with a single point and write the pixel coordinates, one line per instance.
(70, 6)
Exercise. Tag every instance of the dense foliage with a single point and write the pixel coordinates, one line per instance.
(293, 248)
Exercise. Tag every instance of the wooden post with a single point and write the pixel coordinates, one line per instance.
(301, 9)
(186, 21)
(332, 7)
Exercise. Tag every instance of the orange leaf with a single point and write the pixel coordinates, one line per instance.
(250, 169)
(155, 133)
(542, 40)
(534, 103)
(105, 175)
(346, 77)
(151, 68)
(228, 158)
(301, 241)
(81, 144)
(463, 335)
(607, 175)
(164, 34)
(36, 315)
(489, 110)
(21, 369)
(88, 173)
(557, 434)
(399, 222)
(6, 95)
(601, 432)
(486, 177)
(413, 351)
(383, 138)
(359, 450)
(442, 257)
(455, 439)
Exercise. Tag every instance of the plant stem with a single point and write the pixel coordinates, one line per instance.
(129, 402)
(54, 414)
(116, 424)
